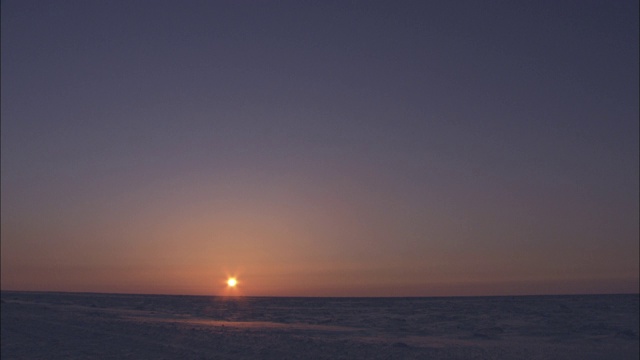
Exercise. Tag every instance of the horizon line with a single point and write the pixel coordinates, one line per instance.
(309, 296)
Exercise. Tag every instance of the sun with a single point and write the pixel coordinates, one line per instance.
(232, 282)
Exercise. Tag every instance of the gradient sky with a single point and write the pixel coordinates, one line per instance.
(320, 148)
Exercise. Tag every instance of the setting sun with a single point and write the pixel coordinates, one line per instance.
(232, 282)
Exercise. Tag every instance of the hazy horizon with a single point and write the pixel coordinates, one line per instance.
(303, 296)
(320, 148)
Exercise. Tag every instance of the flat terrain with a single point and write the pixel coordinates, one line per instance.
(110, 326)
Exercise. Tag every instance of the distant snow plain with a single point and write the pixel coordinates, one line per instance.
(39, 325)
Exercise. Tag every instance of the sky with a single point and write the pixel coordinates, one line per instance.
(320, 148)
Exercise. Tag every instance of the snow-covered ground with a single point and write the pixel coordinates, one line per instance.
(110, 326)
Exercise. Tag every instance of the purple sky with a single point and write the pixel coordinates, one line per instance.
(378, 148)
